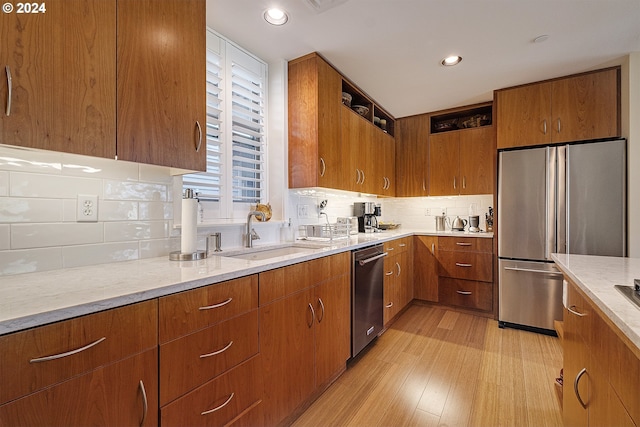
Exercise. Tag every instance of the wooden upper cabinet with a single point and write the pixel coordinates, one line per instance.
(62, 66)
(356, 133)
(477, 160)
(575, 108)
(315, 152)
(412, 156)
(444, 164)
(161, 47)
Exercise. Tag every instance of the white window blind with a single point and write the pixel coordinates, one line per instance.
(235, 130)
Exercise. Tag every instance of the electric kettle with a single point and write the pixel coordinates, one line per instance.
(458, 224)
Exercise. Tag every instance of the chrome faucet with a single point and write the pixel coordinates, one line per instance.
(250, 232)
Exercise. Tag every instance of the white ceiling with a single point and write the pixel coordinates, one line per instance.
(392, 48)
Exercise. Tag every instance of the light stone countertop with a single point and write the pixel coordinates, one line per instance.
(596, 276)
(35, 299)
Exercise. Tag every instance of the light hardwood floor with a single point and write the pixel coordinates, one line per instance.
(437, 367)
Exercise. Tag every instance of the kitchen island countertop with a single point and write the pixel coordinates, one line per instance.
(34, 299)
(596, 276)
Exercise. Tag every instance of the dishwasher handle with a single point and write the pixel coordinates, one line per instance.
(373, 258)
(532, 270)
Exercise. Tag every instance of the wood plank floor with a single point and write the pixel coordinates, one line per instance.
(437, 367)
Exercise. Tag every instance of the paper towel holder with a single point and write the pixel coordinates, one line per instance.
(188, 256)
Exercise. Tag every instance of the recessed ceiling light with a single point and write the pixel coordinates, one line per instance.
(451, 60)
(276, 16)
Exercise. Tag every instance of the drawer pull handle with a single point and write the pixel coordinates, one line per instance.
(9, 89)
(464, 292)
(402, 245)
(573, 311)
(145, 403)
(199, 141)
(463, 244)
(389, 305)
(222, 350)
(388, 273)
(575, 386)
(68, 353)
(324, 166)
(313, 315)
(222, 304)
(459, 264)
(219, 407)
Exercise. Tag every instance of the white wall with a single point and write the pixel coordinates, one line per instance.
(631, 130)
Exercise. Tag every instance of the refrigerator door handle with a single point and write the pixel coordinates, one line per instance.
(531, 270)
(550, 203)
(562, 197)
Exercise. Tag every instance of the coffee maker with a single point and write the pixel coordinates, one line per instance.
(366, 214)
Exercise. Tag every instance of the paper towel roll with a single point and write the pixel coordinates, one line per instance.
(189, 240)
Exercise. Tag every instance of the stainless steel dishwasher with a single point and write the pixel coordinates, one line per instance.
(366, 296)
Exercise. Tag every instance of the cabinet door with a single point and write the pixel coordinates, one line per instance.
(121, 394)
(383, 163)
(391, 292)
(425, 268)
(63, 73)
(523, 116)
(412, 156)
(356, 141)
(287, 352)
(404, 278)
(477, 154)
(444, 168)
(585, 107)
(161, 82)
(333, 327)
(314, 108)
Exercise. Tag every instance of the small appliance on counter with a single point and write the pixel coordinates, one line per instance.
(474, 224)
(366, 214)
(458, 224)
(441, 222)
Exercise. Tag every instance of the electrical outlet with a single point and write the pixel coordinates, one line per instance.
(87, 208)
(427, 212)
(303, 211)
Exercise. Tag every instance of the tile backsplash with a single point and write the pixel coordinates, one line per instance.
(39, 230)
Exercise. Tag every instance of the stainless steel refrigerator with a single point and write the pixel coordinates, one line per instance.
(563, 199)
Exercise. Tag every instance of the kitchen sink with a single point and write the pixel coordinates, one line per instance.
(258, 255)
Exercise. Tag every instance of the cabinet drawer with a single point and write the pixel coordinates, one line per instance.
(46, 355)
(466, 293)
(192, 360)
(193, 310)
(465, 265)
(399, 245)
(465, 244)
(220, 401)
(108, 396)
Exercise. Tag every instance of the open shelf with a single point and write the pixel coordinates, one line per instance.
(374, 113)
(478, 116)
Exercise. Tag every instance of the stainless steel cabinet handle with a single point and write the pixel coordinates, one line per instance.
(223, 303)
(454, 182)
(358, 178)
(322, 307)
(463, 244)
(313, 315)
(219, 407)
(532, 270)
(459, 264)
(389, 305)
(222, 350)
(199, 142)
(373, 258)
(573, 311)
(433, 248)
(389, 273)
(9, 89)
(559, 126)
(363, 177)
(464, 292)
(399, 269)
(402, 245)
(424, 185)
(324, 166)
(145, 402)
(464, 182)
(575, 386)
(544, 126)
(68, 353)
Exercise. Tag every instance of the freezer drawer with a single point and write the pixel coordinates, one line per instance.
(530, 293)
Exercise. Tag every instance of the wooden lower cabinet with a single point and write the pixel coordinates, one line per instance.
(604, 370)
(425, 268)
(466, 293)
(99, 369)
(398, 273)
(305, 334)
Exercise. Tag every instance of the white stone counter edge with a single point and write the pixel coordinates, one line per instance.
(30, 300)
(596, 276)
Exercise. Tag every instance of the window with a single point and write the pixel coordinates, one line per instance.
(235, 132)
